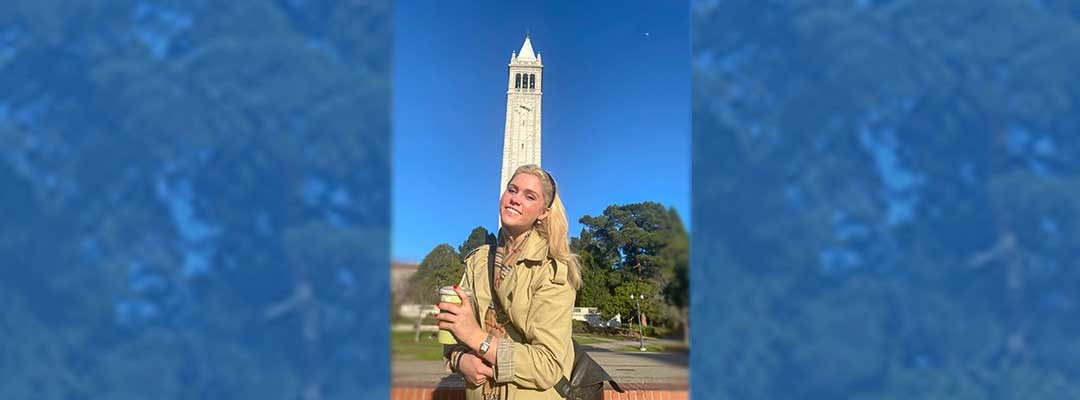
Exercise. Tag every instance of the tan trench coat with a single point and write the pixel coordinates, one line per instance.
(540, 301)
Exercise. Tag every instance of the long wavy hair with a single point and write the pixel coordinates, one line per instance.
(554, 228)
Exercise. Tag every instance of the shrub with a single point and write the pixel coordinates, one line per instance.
(650, 331)
(580, 327)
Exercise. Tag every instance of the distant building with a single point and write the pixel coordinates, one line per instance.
(414, 310)
(588, 314)
(399, 279)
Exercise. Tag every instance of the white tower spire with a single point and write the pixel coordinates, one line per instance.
(521, 139)
(526, 52)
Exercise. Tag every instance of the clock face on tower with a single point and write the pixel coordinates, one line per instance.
(522, 113)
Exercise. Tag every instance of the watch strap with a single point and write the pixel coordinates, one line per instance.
(485, 345)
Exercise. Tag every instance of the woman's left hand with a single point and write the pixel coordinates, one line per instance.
(459, 319)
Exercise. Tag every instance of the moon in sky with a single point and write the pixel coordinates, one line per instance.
(646, 33)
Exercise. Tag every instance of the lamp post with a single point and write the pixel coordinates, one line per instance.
(641, 332)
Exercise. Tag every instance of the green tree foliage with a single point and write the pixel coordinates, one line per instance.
(440, 267)
(478, 237)
(887, 198)
(640, 242)
(595, 291)
(651, 305)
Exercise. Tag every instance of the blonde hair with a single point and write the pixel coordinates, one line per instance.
(554, 228)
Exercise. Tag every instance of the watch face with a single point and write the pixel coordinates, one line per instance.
(485, 344)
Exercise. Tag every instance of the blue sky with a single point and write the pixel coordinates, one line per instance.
(615, 122)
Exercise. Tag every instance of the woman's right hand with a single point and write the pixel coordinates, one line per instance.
(474, 370)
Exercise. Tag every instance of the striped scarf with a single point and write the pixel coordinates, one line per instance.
(506, 255)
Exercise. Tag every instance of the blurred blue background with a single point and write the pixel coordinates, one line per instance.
(196, 199)
(886, 200)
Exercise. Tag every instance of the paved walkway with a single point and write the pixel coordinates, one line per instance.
(633, 370)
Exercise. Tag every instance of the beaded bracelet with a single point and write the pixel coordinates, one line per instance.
(457, 361)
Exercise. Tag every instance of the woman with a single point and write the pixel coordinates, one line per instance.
(514, 339)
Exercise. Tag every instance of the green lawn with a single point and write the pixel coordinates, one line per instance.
(402, 346)
(648, 347)
(678, 348)
(584, 338)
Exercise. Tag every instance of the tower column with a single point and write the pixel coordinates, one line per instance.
(521, 138)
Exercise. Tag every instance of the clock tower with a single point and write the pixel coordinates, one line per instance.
(521, 139)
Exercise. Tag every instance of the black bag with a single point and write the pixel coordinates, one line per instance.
(586, 379)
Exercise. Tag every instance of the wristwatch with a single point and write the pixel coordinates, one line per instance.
(485, 345)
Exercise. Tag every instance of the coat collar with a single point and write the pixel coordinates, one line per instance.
(536, 247)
